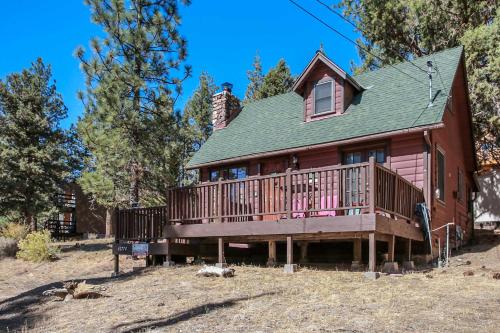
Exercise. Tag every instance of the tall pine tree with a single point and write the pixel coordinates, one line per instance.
(278, 80)
(134, 77)
(256, 77)
(35, 159)
(398, 30)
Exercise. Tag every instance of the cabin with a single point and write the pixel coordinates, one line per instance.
(76, 216)
(341, 159)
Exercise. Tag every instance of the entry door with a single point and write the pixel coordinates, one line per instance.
(272, 191)
(352, 179)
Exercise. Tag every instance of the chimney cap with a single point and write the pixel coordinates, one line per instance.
(227, 86)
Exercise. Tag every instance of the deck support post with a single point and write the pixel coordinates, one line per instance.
(271, 260)
(408, 264)
(116, 265)
(168, 257)
(371, 252)
(221, 262)
(390, 266)
(290, 267)
(356, 255)
(303, 252)
(390, 248)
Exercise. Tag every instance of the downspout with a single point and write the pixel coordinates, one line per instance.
(428, 171)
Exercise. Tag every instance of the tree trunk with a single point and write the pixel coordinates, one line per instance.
(31, 221)
(109, 222)
(134, 185)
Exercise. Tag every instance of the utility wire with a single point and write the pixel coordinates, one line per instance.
(394, 51)
(350, 40)
(439, 75)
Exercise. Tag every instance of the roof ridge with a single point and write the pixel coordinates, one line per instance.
(408, 61)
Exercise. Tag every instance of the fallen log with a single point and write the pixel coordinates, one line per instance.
(215, 271)
(58, 292)
(76, 290)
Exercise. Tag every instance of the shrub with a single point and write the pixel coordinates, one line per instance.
(14, 231)
(8, 247)
(36, 247)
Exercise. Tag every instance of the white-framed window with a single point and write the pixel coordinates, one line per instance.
(324, 98)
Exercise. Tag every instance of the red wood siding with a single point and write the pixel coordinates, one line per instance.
(455, 141)
(406, 157)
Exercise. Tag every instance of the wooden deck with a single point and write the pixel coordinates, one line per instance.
(356, 201)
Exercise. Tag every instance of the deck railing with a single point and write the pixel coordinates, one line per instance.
(328, 191)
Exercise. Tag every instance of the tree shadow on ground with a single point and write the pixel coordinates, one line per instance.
(155, 323)
(86, 247)
(16, 312)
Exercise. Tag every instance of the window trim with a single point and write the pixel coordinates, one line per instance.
(443, 153)
(332, 98)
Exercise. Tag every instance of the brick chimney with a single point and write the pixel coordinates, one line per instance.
(225, 107)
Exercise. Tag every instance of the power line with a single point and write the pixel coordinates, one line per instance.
(350, 40)
(394, 51)
(439, 75)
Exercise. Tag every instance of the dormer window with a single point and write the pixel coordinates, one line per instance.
(323, 97)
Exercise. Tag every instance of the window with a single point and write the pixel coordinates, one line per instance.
(460, 189)
(363, 156)
(352, 158)
(440, 175)
(323, 97)
(379, 155)
(228, 173)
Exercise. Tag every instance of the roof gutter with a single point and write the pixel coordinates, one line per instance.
(317, 146)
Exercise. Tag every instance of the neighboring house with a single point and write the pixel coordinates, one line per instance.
(487, 202)
(339, 157)
(77, 216)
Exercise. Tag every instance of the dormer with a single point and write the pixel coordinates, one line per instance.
(326, 88)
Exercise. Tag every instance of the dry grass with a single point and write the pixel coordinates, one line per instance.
(256, 299)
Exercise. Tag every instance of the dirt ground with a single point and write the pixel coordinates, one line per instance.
(257, 299)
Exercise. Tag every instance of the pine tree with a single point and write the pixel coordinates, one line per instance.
(35, 159)
(256, 79)
(277, 81)
(197, 121)
(397, 30)
(132, 84)
(198, 113)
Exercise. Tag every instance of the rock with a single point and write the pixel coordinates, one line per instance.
(468, 273)
(68, 298)
(215, 271)
(371, 275)
(468, 262)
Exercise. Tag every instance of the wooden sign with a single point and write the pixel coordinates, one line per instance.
(140, 249)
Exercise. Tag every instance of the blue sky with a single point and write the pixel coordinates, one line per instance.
(223, 37)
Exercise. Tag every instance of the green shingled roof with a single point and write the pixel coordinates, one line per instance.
(391, 101)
